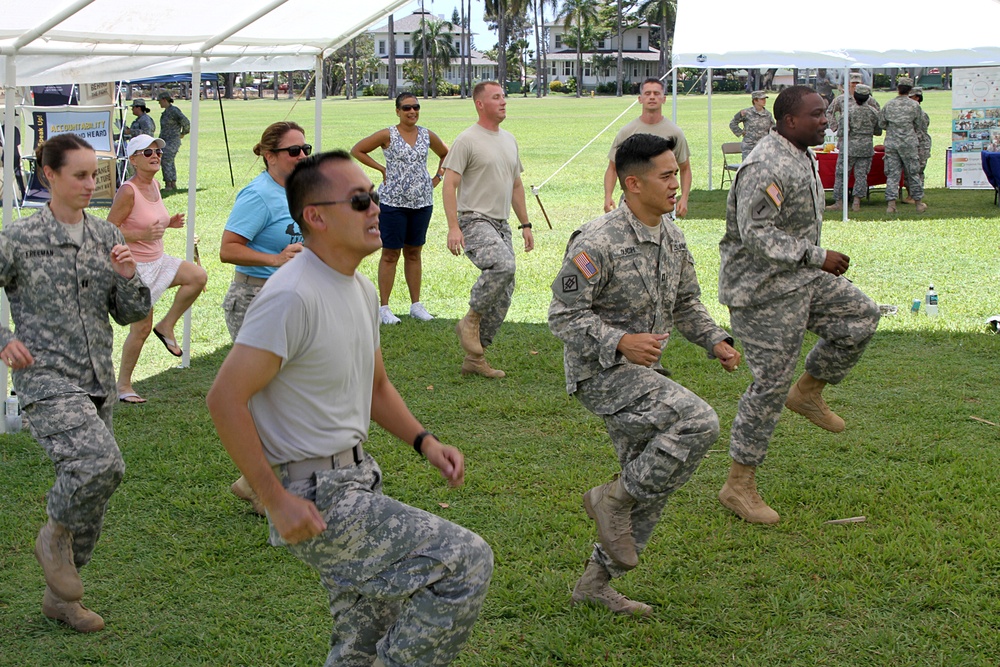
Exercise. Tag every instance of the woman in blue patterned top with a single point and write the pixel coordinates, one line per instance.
(407, 199)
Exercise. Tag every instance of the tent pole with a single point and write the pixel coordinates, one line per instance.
(192, 192)
(674, 83)
(710, 151)
(318, 132)
(845, 191)
(225, 132)
(10, 99)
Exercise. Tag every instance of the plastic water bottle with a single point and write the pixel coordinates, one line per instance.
(932, 302)
(12, 414)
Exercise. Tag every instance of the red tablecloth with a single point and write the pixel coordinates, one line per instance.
(828, 169)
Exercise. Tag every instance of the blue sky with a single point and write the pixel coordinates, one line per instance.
(482, 37)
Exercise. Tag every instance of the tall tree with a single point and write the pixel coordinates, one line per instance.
(392, 59)
(423, 47)
(577, 16)
(436, 46)
(618, 90)
(662, 13)
(539, 76)
(509, 18)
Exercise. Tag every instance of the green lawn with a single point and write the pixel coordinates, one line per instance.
(183, 574)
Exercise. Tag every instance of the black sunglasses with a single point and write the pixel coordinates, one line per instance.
(148, 152)
(409, 107)
(359, 202)
(293, 151)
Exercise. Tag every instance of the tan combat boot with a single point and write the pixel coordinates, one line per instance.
(610, 506)
(739, 494)
(476, 364)
(835, 206)
(72, 613)
(921, 206)
(241, 489)
(594, 586)
(891, 207)
(467, 329)
(806, 398)
(856, 204)
(54, 551)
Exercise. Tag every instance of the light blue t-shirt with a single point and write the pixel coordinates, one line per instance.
(261, 216)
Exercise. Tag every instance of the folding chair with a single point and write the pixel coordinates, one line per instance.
(729, 168)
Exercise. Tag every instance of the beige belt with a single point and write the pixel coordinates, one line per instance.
(248, 280)
(300, 470)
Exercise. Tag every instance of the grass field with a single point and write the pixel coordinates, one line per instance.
(183, 574)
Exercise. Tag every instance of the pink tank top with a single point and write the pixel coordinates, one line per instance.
(144, 214)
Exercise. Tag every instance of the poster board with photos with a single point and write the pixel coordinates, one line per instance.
(975, 125)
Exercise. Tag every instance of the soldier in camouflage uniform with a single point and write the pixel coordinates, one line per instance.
(923, 140)
(626, 280)
(405, 586)
(173, 125)
(64, 272)
(756, 121)
(482, 181)
(143, 123)
(864, 125)
(902, 119)
(835, 112)
(778, 283)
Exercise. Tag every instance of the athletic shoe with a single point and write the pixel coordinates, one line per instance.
(386, 316)
(418, 311)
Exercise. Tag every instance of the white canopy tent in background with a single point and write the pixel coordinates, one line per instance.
(786, 33)
(88, 41)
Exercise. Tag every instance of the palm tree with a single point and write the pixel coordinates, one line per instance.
(440, 41)
(662, 13)
(392, 59)
(502, 12)
(544, 47)
(578, 15)
(618, 91)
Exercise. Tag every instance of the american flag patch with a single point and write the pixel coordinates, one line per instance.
(774, 192)
(586, 265)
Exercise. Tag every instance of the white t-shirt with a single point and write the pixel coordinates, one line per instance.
(666, 128)
(488, 163)
(324, 326)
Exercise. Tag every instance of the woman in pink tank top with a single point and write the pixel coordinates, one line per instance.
(138, 211)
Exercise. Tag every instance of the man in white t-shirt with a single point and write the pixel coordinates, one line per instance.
(482, 181)
(652, 121)
(292, 405)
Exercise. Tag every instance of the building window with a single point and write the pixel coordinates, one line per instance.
(458, 46)
(567, 68)
(601, 45)
(381, 47)
(586, 68)
(558, 41)
(638, 42)
(552, 67)
(406, 47)
(635, 70)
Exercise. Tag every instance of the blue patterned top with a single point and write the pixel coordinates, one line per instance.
(407, 183)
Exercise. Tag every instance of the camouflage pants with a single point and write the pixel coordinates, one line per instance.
(860, 166)
(488, 244)
(167, 166)
(402, 582)
(898, 161)
(660, 438)
(75, 431)
(235, 305)
(842, 316)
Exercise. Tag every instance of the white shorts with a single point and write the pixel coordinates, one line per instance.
(158, 275)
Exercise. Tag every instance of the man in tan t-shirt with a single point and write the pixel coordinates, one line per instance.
(482, 181)
(651, 121)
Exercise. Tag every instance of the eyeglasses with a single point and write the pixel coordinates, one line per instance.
(293, 151)
(359, 202)
(409, 107)
(149, 152)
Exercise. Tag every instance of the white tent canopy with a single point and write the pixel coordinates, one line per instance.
(92, 41)
(895, 33)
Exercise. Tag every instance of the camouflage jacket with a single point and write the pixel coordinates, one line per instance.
(143, 124)
(924, 137)
(60, 298)
(621, 277)
(756, 125)
(173, 125)
(902, 119)
(774, 216)
(864, 126)
(835, 111)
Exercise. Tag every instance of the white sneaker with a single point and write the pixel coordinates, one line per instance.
(418, 311)
(386, 316)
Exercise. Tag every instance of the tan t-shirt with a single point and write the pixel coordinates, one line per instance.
(665, 128)
(488, 163)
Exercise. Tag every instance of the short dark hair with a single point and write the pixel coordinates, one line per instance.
(481, 86)
(903, 89)
(635, 155)
(403, 96)
(306, 180)
(652, 79)
(52, 153)
(789, 100)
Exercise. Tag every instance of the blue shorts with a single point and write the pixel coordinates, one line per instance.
(403, 226)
